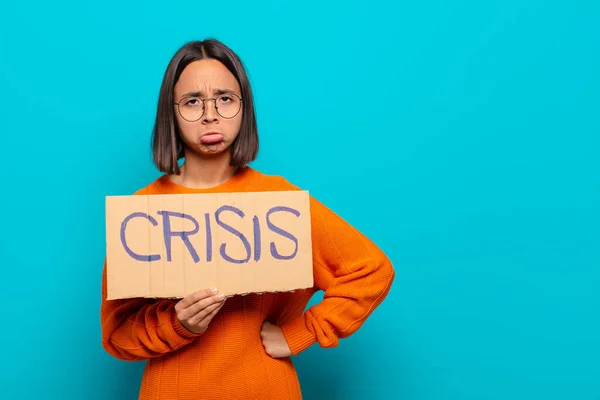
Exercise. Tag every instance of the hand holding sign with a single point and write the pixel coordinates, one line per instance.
(196, 310)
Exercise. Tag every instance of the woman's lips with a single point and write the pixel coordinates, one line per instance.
(211, 138)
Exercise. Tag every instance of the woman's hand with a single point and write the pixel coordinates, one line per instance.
(273, 341)
(196, 310)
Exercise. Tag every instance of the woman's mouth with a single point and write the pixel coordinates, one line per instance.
(211, 138)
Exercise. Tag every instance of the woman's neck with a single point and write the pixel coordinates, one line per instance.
(204, 173)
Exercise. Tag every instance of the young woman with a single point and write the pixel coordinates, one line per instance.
(206, 346)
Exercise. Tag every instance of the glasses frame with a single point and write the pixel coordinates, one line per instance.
(204, 105)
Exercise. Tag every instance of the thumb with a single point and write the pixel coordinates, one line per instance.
(263, 329)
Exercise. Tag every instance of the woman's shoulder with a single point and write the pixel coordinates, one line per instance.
(270, 180)
(159, 185)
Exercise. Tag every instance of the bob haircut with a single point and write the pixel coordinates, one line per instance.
(167, 146)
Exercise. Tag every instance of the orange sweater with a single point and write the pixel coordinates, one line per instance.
(228, 361)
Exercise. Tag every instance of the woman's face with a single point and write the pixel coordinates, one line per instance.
(213, 131)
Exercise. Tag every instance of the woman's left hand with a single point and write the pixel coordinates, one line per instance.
(273, 341)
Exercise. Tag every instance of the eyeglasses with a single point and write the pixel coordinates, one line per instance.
(191, 109)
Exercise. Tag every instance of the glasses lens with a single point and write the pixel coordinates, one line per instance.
(228, 105)
(191, 108)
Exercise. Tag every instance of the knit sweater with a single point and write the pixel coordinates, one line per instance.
(228, 360)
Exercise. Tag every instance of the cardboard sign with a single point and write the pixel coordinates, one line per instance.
(172, 245)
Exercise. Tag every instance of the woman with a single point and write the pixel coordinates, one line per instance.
(206, 346)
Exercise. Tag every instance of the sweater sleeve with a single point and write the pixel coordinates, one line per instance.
(139, 328)
(354, 274)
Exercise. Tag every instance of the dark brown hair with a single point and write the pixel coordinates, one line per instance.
(167, 146)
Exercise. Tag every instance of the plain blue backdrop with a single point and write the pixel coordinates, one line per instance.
(461, 136)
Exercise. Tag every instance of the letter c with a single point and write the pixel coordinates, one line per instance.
(135, 256)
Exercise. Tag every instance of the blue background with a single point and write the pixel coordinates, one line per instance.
(461, 136)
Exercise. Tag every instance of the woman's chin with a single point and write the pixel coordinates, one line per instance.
(212, 149)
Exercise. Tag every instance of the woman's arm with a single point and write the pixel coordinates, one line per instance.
(354, 274)
(140, 328)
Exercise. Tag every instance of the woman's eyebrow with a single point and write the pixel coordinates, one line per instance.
(201, 93)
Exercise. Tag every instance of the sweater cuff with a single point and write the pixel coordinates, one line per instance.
(182, 330)
(297, 336)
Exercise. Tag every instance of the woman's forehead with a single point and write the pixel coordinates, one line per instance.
(206, 76)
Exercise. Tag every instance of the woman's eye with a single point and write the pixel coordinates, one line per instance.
(192, 102)
(225, 99)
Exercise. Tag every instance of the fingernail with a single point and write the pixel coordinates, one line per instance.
(213, 290)
(220, 296)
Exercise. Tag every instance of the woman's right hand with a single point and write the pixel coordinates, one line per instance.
(196, 310)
